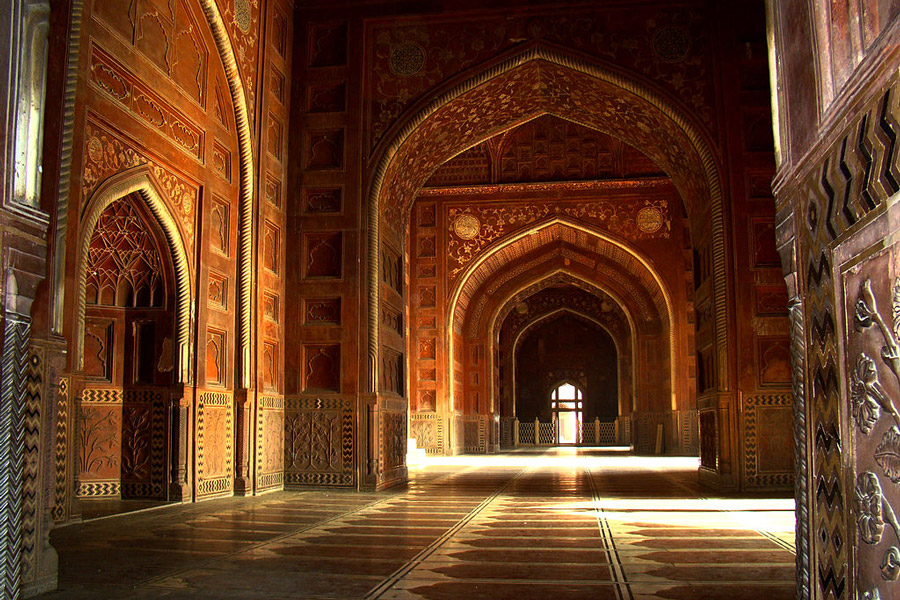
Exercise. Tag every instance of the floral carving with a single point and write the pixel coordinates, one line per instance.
(484, 225)
(887, 454)
(867, 314)
(99, 439)
(870, 595)
(890, 564)
(873, 510)
(313, 441)
(867, 397)
(109, 155)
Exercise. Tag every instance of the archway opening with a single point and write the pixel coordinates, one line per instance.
(566, 379)
(567, 404)
(128, 361)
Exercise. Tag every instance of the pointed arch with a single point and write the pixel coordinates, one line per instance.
(580, 314)
(140, 181)
(402, 167)
(246, 231)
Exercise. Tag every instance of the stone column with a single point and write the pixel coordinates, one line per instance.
(243, 414)
(179, 445)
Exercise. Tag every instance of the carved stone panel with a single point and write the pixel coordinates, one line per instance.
(327, 45)
(321, 200)
(270, 442)
(216, 352)
(215, 443)
(99, 349)
(271, 248)
(774, 356)
(144, 444)
(99, 443)
(768, 441)
(220, 231)
(318, 442)
(428, 431)
(325, 97)
(392, 372)
(270, 307)
(269, 366)
(325, 150)
(322, 311)
(871, 316)
(217, 291)
(392, 269)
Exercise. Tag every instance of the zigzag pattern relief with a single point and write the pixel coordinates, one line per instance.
(61, 453)
(31, 482)
(12, 451)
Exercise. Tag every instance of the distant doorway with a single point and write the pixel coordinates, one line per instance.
(566, 405)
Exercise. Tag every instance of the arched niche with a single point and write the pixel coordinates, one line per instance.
(141, 182)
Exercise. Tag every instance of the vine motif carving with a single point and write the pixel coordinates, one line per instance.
(465, 243)
(136, 436)
(106, 155)
(869, 399)
(98, 437)
(313, 441)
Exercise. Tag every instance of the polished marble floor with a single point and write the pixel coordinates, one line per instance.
(558, 523)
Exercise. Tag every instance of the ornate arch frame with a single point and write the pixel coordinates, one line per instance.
(247, 181)
(630, 84)
(141, 181)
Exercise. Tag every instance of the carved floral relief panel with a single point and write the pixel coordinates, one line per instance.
(871, 291)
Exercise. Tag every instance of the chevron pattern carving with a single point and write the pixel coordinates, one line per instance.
(32, 473)
(14, 365)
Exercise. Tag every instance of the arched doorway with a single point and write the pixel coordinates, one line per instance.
(132, 334)
(566, 377)
(423, 142)
(566, 405)
(128, 357)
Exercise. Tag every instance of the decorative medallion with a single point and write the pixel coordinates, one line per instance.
(522, 308)
(467, 227)
(242, 15)
(407, 59)
(671, 44)
(649, 219)
(95, 150)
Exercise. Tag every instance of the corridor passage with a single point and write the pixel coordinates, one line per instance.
(560, 524)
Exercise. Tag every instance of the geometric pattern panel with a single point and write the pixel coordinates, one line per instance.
(768, 441)
(475, 434)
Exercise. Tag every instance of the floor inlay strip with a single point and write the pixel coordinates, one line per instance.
(623, 589)
(419, 558)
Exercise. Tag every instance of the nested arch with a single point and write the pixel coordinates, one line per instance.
(575, 248)
(626, 342)
(138, 181)
(530, 82)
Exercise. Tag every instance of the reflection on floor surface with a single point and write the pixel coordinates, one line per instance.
(558, 524)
